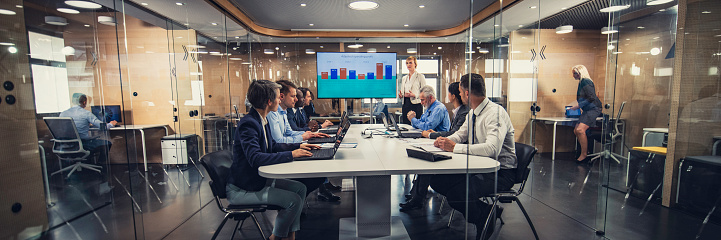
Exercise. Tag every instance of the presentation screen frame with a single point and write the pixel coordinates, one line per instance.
(348, 75)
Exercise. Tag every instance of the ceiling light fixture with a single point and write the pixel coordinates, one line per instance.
(83, 4)
(19, 6)
(614, 8)
(277, 48)
(310, 51)
(144, 4)
(655, 51)
(532, 7)
(236, 59)
(363, 5)
(389, 46)
(372, 50)
(706, 12)
(6, 12)
(6, 44)
(609, 30)
(236, 37)
(268, 51)
(483, 50)
(310, 24)
(12, 49)
(422, 6)
(405, 25)
(214, 24)
(105, 20)
(657, 2)
(179, 3)
(68, 10)
(57, 21)
(86, 25)
(439, 48)
(303, 5)
(412, 50)
(357, 45)
(520, 25)
(564, 29)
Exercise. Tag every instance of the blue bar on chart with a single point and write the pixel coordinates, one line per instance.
(370, 75)
(334, 74)
(351, 74)
(389, 71)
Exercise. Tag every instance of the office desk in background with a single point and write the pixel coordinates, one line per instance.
(568, 122)
(141, 129)
(652, 132)
(372, 163)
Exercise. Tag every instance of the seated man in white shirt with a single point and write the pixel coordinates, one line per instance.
(83, 119)
(489, 133)
(282, 132)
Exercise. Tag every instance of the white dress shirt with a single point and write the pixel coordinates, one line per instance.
(494, 136)
(413, 83)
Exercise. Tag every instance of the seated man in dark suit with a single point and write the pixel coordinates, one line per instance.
(296, 117)
(254, 147)
(420, 186)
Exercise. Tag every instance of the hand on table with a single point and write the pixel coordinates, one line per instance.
(321, 135)
(313, 125)
(427, 133)
(326, 124)
(445, 144)
(304, 150)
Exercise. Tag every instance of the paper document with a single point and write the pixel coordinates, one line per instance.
(342, 145)
(428, 147)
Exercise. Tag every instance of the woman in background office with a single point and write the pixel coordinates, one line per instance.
(254, 147)
(590, 106)
(410, 89)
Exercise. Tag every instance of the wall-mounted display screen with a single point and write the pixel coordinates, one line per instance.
(356, 75)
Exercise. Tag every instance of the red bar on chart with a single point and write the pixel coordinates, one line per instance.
(379, 70)
(324, 75)
(361, 76)
(343, 73)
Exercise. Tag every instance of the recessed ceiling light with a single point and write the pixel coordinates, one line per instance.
(321, 46)
(277, 48)
(615, 8)
(609, 30)
(411, 50)
(656, 38)
(310, 24)
(520, 25)
(6, 12)
(178, 37)
(310, 51)
(144, 4)
(564, 8)
(532, 7)
(363, 5)
(389, 46)
(186, 24)
(6, 44)
(179, 3)
(357, 45)
(214, 24)
(303, 5)
(83, 4)
(657, 2)
(12, 49)
(105, 20)
(54, 20)
(372, 50)
(405, 25)
(236, 37)
(19, 6)
(564, 29)
(640, 27)
(706, 12)
(482, 50)
(662, 10)
(439, 48)
(421, 6)
(628, 39)
(68, 10)
(236, 59)
(268, 51)
(86, 25)
(655, 51)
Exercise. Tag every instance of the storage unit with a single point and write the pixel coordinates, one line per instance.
(177, 148)
(699, 186)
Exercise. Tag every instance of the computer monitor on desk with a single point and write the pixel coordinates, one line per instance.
(108, 113)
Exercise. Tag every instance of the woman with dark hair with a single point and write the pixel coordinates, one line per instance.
(460, 111)
(411, 89)
(590, 105)
(254, 147)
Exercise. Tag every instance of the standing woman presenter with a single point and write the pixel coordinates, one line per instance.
(410, 90)
(590, 106)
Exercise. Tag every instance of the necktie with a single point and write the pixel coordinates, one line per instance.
(473, 132)
(302, 114)
(267, 138)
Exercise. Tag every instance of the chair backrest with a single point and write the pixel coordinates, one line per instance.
(66, 140)
(524, 154)
(217, 164)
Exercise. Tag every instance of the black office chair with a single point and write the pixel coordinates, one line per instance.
(217, 164)
(607, 136)
(68, 146)
(524, 154)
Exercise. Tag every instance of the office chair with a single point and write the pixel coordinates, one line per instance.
(67, 145)
(608, 136)
(217, 164)
(524, 154)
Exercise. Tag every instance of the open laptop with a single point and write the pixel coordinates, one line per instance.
(321, 154)
(388, 127)
(333, 129)
(408, 134)
(341, 131)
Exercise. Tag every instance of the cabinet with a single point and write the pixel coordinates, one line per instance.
(177, 148)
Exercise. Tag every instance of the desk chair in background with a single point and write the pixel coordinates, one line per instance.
(607, 136)
(67, 145)
(217, 164)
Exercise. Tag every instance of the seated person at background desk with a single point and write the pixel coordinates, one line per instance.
(490, 134)
(83, 119)
(420, 186)
(253, 148)
(436, 115)
(282, 132)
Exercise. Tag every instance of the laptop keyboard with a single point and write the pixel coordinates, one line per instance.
(322, 140)
(322, 153)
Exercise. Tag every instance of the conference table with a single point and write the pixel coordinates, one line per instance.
(371, 163)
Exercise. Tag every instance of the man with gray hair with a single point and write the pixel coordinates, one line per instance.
(83, 119)
(434, 117)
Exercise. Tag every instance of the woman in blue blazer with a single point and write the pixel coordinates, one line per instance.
(254, 147)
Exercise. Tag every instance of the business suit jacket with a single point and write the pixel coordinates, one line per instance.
(456, 123)
(296, 120)
(250, 151)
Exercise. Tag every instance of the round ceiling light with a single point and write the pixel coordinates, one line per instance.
(54, 20)
(564, 29)
(411, 50)
(615, 8)
(6, 12)
(655, 51)
(268, 51)
(363, 5)
(83, 4)
(357, 45)
(310, 51)
(657, 2)
(482, 50)
(105, 20)
(372, 50)
(609, 30)
(68, 10)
